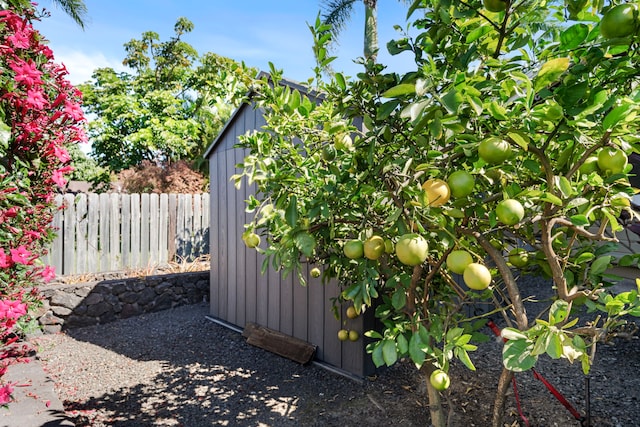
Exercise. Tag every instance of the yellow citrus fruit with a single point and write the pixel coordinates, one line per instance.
(354, 249)
(343, 335)
(251, 240)
(458, 260)
(510, 211)
(315, 272)
(351, 312)
(374, 247)
(439, 379)
(388, 246)
(412, 249)
(437, 192)
(353, 335)
(476, 276)
(589, 165)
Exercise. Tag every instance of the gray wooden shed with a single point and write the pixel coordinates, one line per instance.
(240, 294)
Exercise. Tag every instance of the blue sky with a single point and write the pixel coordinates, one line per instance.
(256, 32)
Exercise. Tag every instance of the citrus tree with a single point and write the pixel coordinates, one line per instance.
(503, 153)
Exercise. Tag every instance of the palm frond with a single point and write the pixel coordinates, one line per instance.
(76, 9)
(336, 13)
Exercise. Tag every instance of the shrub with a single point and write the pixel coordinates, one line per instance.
(39, 115)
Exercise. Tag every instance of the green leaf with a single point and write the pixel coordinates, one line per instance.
(376, 355)
(579, 220)
(305, 243)
(584, 257)
(615, 116)
(519, 138)
(512, 334)
(400, 90)
(517, 357)
(550, 72)
(554, 347)
(389, 352)
(565, 186)
(558, 312)
(452, 100)
(399, 299)
(600, 265)
(402, 344)
(573, 36)
(551, 198)
(416, 351)
(291, 213)
(465, 359)
(5, 135)
(497, 111)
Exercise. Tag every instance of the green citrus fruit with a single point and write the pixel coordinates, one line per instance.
(343, 335)
(612, 160)
(354, 249)
(458, 260)
(461, 183)
(373, 247)
(351, 312)
(412, 249)
(315, 272)
(353, 335)
(439, 379)
(519, 257)
(494, 5)
(589, 165)
(476, 276)
(494, 150)
(388, 246)
(328, 153)
(436, 191)
(251, 240)
(510, 211)
(619, 21)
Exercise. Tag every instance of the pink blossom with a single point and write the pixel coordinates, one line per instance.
(48, 274)
(19, 40)
(73, 110)
(5, 260)
(27, 72)
(21, 255)
(5, 394)
(58, 178)
(36, 100)
(62, 154)
(12, 309)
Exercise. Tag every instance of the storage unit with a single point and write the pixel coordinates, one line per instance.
(240, 294)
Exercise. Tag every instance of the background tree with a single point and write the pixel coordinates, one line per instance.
(168, 109)
(503, 154)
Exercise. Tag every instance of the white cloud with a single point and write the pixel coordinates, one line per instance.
(81, 65)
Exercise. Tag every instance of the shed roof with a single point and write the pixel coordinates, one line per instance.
(248, 103)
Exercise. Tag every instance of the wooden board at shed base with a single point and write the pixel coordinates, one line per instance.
(276, 342)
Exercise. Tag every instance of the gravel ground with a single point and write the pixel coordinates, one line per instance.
(177, 368)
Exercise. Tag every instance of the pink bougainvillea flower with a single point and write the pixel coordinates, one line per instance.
(21, 255)
(5, 394)
(12, 309)
(48, 274)
(5, 260)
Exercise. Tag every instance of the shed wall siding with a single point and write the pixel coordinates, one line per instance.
(240, 294)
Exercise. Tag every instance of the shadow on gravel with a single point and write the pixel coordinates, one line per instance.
(208, 375)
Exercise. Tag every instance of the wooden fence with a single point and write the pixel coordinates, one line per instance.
(111, 232)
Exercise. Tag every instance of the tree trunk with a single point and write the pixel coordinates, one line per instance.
(438, 417)
(501, 397)
(371, 31)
